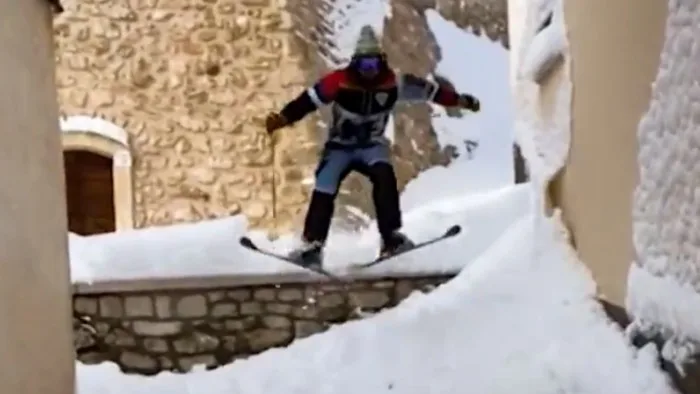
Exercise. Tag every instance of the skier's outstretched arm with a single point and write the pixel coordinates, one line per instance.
(417, 89)
(321, 93)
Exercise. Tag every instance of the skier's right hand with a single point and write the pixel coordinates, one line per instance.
(275, 121)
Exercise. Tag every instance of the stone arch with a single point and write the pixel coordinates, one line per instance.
(107, 139)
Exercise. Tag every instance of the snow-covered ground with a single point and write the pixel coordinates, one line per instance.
(518, 318)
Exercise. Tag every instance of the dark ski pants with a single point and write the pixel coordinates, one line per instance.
(336, 163)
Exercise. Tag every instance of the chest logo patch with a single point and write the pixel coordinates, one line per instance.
(381, 97)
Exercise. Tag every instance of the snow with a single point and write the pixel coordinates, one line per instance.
(459, 337)
(664, 281)
(547, 46)
(345, 19)
(211, 247)
(478, 66)
(95, 125)
(521, 315)
(543, 136)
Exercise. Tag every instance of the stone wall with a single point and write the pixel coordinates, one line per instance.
(190, 80)
(150, 331)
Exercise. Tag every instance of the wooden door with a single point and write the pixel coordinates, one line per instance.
(90, 192)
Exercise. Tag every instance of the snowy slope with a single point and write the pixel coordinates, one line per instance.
(494, 329)
(664, 282)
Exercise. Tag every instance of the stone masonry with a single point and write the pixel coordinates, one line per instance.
(148, 332)
(190, 82)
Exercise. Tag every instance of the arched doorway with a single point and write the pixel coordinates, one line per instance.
(89, 192)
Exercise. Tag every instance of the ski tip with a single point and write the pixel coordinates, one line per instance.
(454, 230)
(247, 243)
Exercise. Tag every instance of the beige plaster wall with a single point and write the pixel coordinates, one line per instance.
(36, 353)
(615, 55)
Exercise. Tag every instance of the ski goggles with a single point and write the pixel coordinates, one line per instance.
(368, 65)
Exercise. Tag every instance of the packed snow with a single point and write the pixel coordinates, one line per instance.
(664, 282)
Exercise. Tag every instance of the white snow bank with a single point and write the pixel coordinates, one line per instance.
(211, 247)
(507, 323)
(664, 283)
(479, 66)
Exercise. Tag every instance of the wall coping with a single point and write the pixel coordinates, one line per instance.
(230, 281)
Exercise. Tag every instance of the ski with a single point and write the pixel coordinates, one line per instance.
(250, 245)
(449, 233)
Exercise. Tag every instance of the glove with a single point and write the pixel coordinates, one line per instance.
(467, 101)
(275, 121)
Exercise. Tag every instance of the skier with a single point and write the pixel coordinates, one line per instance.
(362, 96)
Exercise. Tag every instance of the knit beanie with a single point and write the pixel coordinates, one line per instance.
(367, 43)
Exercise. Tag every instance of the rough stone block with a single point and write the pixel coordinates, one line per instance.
(264, 295)
(403, 289)
(276, 321)
(224, 310)
(111, 307)
(156, 345)
(305, 328)
(263, 339)
(192, 306)
(370, 299)
(120, 337)
(138, 361)
(163, 307)
(240, 324)
(138, 306)
(279, 308)
(85, 305)
(305, 312)
(251, 308)
(290, 295)
(330, 300)
(229, 343)
(157, 329)
(239, 295)
(165, 363)
(216, 296)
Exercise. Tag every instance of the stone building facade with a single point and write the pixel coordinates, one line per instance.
(175, 93)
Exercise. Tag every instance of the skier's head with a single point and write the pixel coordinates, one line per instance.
(368, 61)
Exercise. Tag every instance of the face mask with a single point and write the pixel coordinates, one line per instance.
(368, 66)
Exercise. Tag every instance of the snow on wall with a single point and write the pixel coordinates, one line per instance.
(95, 125)
(664, 282)
(543, 137)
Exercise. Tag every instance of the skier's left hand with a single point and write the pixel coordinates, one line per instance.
(467, 101)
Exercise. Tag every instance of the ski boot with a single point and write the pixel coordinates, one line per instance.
(395, 243)
(308, 254)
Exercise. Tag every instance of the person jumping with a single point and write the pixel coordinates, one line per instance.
(362, 96)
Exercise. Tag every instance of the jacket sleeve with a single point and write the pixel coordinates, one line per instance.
(417, 89)
(321, 93)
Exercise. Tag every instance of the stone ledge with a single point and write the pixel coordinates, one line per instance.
(229, 281)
